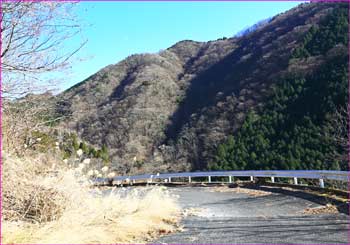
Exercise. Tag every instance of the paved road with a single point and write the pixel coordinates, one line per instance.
(228, 217)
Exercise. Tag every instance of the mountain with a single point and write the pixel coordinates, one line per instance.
(170, 111)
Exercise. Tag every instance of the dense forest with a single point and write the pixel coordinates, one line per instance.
(294, 128)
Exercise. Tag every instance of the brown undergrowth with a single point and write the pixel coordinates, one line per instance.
(58, 205)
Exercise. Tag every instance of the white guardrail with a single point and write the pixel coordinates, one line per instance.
(321, 175)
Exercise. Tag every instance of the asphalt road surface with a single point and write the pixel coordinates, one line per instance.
(228, 217)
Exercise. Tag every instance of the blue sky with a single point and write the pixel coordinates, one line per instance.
(116, 30)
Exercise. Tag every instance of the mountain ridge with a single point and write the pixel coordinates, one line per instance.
(171, 110)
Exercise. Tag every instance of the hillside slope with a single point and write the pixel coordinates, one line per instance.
(169, 111)
(304, 123)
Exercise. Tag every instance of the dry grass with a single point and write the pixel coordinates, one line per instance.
(250, 192)
(61, 207)
(326, 209)
(24, 199)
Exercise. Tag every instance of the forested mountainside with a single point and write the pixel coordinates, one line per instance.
(258, 101)
(294, 129)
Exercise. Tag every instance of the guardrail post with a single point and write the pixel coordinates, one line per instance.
(189, 179)
(272, 179)
(230, 179)
(295, 181)
(251, 178)
(321, 183)
(209, 179)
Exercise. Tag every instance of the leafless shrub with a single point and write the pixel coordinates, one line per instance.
(23, 117)
(23, 198)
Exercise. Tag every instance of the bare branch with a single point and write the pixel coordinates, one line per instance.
(33, 34)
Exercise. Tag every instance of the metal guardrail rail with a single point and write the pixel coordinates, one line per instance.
(321, 175)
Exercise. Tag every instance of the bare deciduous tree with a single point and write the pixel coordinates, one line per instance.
(33, 38)
(34, 35)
